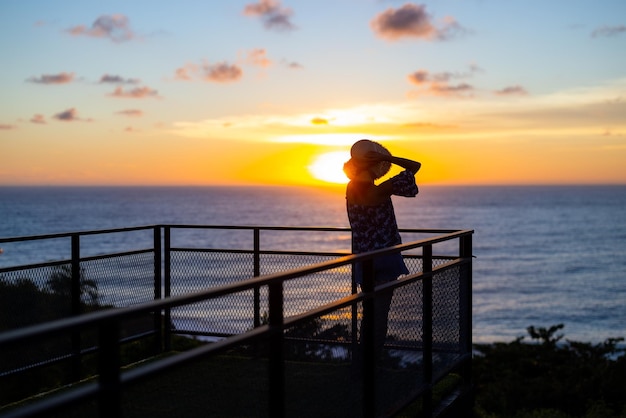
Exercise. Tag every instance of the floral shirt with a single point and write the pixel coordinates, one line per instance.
(374, 226)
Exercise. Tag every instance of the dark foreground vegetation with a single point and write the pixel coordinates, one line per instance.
(546, 377)
(550, 378)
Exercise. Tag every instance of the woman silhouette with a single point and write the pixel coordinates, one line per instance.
(373, 220)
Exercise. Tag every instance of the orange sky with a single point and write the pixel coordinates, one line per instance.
(132, 96)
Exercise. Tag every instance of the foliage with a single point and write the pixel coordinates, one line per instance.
(60, 282)
(35, 368)
(549, 378)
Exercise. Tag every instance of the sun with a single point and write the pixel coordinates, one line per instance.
(328, 167)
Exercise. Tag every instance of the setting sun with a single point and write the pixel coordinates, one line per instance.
(329, 167)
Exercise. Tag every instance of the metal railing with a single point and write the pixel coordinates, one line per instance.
(274, 307)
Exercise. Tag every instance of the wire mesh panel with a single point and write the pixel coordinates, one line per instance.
(192, 271)
(445, 318)
(122, 280)
(310, 291)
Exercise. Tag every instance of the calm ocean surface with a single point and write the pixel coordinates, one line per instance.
(544, 255)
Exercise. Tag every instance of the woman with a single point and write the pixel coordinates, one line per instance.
(370, 210)
(373, 220)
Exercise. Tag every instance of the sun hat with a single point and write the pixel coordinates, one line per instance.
(361, 148)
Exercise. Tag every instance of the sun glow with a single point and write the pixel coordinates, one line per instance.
(329, 167)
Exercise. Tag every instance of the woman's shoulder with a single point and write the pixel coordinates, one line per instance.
(364, 193)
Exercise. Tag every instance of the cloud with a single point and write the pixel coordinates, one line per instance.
(412, 21)
(319, 121)
(69, 115)
(222, 72)
(116, 79)
(61, 78)
(512, 91)
(6, 127)
(38, 118)
(134, 113)
(186, 73)
(114, 27)
(292, 65)
(258, 57)
(273, 15)
(136, 93)
(439, 84)
(607, 31)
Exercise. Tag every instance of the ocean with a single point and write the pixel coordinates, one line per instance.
(545, 255)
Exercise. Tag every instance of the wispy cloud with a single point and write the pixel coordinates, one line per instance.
(273, 15)
(60, 78)
(258, 57)
(38, 118)
(608, 31)
(134, 113)
(292, 64)
(136, 93)
(69, 115)
(116, 79)
(512, 91)
(319, 121)
(441, 83)
(222, 72)
(113, 27)
(412, 21)
(6, 127)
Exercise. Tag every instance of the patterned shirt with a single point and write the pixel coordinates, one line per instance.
(374, 226)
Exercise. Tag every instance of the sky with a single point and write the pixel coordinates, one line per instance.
(259, 92)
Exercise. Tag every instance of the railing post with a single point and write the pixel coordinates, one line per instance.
(465, 284)
(158, 315)
(427, 316)
(257, 273)
(167, 285)
(277, 351)
(109, 393)
(465, 309)
(368, 340)
(75, 308)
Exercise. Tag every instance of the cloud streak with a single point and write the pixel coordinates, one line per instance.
(272, 14)
(69, 115)
(258, 57)
(38, 119)
(441, 84)
(136, 93)
(413, 22)
(222, 72)
(133, 113)
(116, 79)
(113, 27)
(608, 31)
(512, 91)
(60, 78)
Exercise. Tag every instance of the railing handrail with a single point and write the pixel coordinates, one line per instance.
(74, 323)
(195, 226)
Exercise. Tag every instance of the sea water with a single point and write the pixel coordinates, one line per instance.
(544, 254)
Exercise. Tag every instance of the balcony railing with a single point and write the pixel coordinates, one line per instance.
(279, 303)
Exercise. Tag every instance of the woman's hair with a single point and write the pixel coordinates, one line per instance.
(352, 169)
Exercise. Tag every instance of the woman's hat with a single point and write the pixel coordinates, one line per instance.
(361, 148)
